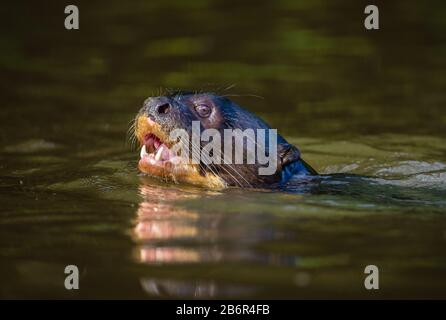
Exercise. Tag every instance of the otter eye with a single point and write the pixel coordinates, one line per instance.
(203, 110)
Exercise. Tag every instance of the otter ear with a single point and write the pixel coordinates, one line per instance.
(287, 153)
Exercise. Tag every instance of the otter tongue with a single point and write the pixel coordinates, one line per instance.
(163, 153)
(167, 154)
(150, 145)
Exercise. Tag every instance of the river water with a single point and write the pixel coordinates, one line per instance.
(366, 108)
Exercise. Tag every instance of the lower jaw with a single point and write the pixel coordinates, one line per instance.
(162, 170)
(181, 174)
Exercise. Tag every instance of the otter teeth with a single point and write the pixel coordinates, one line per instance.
(158, 153)
(143, 152)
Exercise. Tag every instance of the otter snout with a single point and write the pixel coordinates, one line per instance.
(157, 106)
(168, 112)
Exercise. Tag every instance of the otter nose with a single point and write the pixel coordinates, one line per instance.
(163, 108)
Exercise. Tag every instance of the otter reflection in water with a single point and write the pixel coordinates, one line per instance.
(161, 227)
(159, 221)
(161, 117)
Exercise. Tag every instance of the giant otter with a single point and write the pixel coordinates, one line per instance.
(160, 116)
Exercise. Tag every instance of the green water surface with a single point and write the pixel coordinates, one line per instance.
(368, 103)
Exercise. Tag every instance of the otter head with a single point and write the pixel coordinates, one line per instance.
(233, 147)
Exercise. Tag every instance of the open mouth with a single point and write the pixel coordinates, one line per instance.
(158, 159)
(157, 153)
